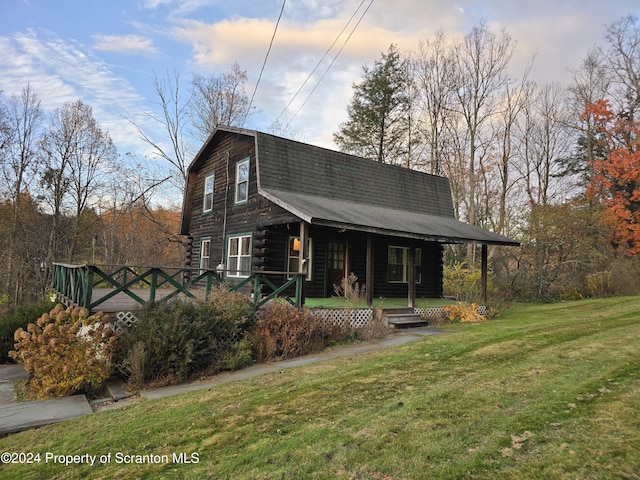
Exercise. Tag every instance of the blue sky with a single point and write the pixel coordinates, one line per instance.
(106, 52)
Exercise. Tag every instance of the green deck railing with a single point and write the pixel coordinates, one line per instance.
(74, 284)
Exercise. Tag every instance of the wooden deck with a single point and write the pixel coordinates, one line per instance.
(120, 288)
(122, 302)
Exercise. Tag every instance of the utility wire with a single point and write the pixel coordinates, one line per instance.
(320, 61)
(263, 64)
(330, 65)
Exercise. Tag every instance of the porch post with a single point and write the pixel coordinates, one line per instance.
(411, 274)
(303, 264)
(484, 273)
(369, 271)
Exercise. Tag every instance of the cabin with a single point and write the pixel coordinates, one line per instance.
(256, 202)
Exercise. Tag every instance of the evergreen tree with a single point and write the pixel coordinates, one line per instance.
(379, 114)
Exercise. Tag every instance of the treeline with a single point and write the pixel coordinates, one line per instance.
(548, 164)
(67, 196)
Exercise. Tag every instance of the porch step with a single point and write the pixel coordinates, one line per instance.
(402, 317)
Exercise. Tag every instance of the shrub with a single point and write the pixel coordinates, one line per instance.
(599, 284)
(464, 312)
(171, 342)
(168, 340)
(239, 356)
(284, 331)
(462, 283)
(20, 317)
(66, 351)
(233, 314)
(351, 290)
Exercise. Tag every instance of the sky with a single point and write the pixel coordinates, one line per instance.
(106, 52)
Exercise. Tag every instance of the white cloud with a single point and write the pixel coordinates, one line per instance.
(60, 72)
(220, 32)
(558, 32)
(124, 44)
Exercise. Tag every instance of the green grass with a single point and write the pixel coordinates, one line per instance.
(543, 392)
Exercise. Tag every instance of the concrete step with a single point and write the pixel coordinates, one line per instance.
(404, 319)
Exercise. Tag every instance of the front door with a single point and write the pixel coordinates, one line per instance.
(336, 266)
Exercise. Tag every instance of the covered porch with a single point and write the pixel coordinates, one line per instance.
(392, 268)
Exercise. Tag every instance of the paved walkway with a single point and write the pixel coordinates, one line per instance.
(16, 416)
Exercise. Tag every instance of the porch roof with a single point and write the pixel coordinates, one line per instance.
(325, 187)
(350, 215)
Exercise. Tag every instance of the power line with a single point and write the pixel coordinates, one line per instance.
(320, 61)
(264, 64)
(331, 64)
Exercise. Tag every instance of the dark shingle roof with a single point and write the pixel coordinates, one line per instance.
(286, 165)
(332, 188)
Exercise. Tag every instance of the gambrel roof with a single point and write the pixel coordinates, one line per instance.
(330, 188)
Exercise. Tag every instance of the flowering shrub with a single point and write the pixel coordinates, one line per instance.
(464, 312)
(66, 351)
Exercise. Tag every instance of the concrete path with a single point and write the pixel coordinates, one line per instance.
(17, 416)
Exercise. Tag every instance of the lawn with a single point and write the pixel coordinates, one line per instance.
(542, 392)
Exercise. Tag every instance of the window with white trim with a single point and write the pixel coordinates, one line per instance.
(239, 256)
(205, 254)
(293, 254)
(398, 265)
(207, 201)
(242, 181)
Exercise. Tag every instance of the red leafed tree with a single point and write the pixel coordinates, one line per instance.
(615, 179)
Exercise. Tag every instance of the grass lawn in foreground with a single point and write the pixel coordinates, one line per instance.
(542, 392)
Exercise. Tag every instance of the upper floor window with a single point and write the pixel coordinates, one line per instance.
(207, 201)
(242, 181)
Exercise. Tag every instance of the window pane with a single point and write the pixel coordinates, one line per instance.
(242, 181)
(233, 246)
(245, 265)
(246, 245)
(242, 192)
(294, 246)
(208, 193)
(233, 265)
(243, 171)
(395, 273)
(294, 264)
(397, 264)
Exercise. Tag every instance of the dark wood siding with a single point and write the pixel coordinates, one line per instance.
(245, 218)
(270, 227)
(321, 286)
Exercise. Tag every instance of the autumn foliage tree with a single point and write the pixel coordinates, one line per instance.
(616, 177)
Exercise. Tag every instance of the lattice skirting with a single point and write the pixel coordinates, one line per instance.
(435, 312)
(430, 312)
(124, 320)
(356, 318)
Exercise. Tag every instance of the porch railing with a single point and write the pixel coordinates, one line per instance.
(75, 284)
